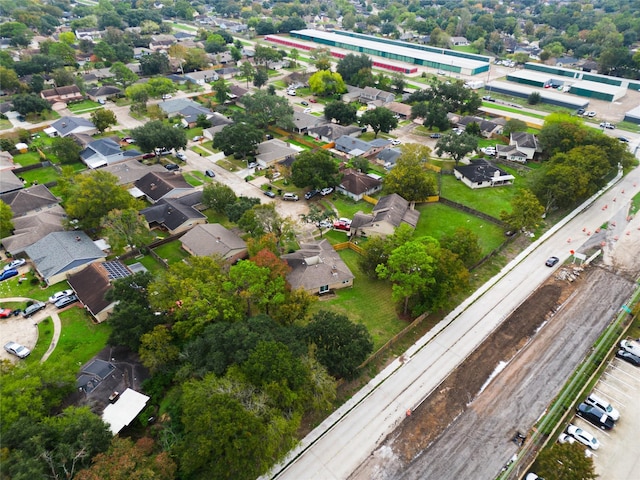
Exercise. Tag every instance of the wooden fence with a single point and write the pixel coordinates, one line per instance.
(344, 245)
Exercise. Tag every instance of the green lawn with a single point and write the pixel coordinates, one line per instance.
(26, 159)
(367, 302)
(80, 339)
(5, 124)
(83, 106)
(45, 335)
(437, 220)
(487, 200)
(346, 206)
(40, 175)
(27, 289)
(149, 263)
(172, 252)
(192, 180)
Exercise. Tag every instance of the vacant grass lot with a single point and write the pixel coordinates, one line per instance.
(367, 302)
(80, 339)
(437, 220)
(487, 200)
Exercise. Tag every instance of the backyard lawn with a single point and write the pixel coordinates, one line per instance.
(171, 252)
(367, 302)
(487, 200)
(437, 220)
(26, 159)
(40, 175)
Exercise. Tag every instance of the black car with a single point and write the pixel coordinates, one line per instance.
(596, 416)
(551, 261)
(580, 111)
(623, 139)
(628, 357)
(209, 173)
(172, 167)
(310, 194)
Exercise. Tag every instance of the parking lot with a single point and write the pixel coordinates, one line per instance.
(618, 456)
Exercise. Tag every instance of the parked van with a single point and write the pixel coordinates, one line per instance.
(603, 405)
(631, 346)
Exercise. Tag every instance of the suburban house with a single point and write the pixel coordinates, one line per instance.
(161, 45)
(304, 121)
(481, 174)
(175, 214)
(356, 185)
(91, 34)
(66, 94)
(330, 132)
(6, 161)
(402, 110)
(103, 93)
(68, 125)
(202, 77)
(459, 41)
(187, 109)
(30, 228)
(218, 122)
(354, 147)
(522, 147)
(236, 93)
(9, 182)
(273, 151)
(488, 128)
(60, 254)
(370, 94)
(212, 239)
(386, 216)
(92, 283)
(158, 185)
(388, 157)
(29, 200)
(131, 170)
(317, 268)
(106, 151)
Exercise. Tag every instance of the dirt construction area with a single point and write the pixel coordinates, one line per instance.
(465, 428)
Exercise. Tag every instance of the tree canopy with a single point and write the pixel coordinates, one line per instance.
(380, 119)
(158, 135)
(315, 169)
(409, 178)
(343, 113)
(457, 146)
(325, 83)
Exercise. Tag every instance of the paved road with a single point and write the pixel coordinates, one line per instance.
(344, 440)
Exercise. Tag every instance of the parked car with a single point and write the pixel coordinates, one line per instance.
(326, 223)
(608, 125)
(580, 111)
(210, 173)
(583, 437)
(339, 225)
(172, 167)
(6, 312)
(313, 100)
(623, 139)
(292, 197)
(304, 104)
(307, 110)
(435, 135)
(564, 438)
(252, 165)
(5, 274)
(596, 416)
(64, 301)
(631, 346)
(166, 96)
(148, 155)
(591, 114)
(326, 191)
(58, 295)
(310, 194)
(628, 357)
(16, 349)
(602, 404)
(197, 138)
(395, 142)
(33, 308)
(269, 194)
(18, 262)
(551, 261)
(181, 156)
(532, 476)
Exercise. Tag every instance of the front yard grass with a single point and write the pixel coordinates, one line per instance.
(368, 302)
(346, 207)
(45, 335)
(192, 180)
(81, 339)
(83, 106)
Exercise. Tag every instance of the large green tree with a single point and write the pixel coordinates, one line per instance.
(6, 222)
(409, 178)
(326, 83)
(66, 149)
(89, 197)
(465, 243)
(256, 286)
(262, 110)
(564, 461)
(239, 139)
(125, 229)
(340, 344)
(103, 119)
(263, 219)
(343, 113)
(315, 169)
(218, 197)
(123, 75)
(158, 135)
(26, 103)
(380, 119)
(351, 64)
(526, 211)
(456, 146)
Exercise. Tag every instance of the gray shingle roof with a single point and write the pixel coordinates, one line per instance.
(156, 185)
(28, 229)
(29, 199)
(62, 251)
(172, 213)
(212, 239)
(67, 125)
(9, 182)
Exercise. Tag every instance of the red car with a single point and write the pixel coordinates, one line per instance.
(313, 100)
(340, 225)
(5, 313)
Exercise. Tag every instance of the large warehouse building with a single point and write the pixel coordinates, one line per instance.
(422, 55)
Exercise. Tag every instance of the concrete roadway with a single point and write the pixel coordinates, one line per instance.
(344, 440)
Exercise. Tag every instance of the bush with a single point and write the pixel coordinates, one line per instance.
(534, 98)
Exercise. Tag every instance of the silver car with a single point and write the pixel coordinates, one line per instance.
(16, 349)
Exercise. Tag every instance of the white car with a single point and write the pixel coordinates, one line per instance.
(307, 110)
(631, 346)
(58, 295)
(395, 142)
(181, 156)
(326, 191)
(15, 264)
(564, 438)
(603, 405)
(583, 437)
(16, 349)
(166, 96)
